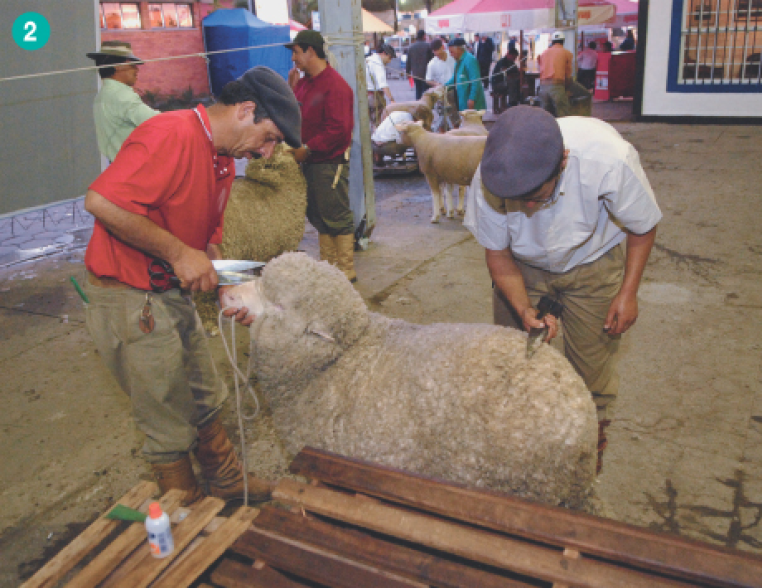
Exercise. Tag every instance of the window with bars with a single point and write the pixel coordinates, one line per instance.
(120, 15)
(170, 15)
(716, 46)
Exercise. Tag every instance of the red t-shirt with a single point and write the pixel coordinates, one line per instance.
(327, 117)
(168, 171)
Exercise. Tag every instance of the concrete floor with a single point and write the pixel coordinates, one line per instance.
(684, 456)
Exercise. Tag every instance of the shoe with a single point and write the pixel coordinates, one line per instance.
(327, 248)
(178, 475)
(221, 468)
(345, 247)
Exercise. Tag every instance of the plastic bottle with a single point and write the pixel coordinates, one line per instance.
(159, 531)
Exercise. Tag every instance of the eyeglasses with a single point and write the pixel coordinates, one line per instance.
(540, 200)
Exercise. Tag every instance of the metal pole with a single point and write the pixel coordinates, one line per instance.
(341, 24)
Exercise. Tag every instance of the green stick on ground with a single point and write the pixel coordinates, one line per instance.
(80, 291)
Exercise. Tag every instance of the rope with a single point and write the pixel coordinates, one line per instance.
(239, 378)
(142, 61)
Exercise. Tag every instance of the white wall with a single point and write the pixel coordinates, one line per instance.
(658, 102)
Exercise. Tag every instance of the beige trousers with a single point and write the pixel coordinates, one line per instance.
(586, 293)
(168, 374)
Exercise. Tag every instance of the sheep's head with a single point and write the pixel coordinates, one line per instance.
(409, 130)
(312, 314)
(433, 95)
(472, 117)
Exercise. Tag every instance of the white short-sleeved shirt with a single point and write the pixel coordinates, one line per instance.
(441, 71)
(602, 191)
(375, 73)
(386, 131)
(587, 59)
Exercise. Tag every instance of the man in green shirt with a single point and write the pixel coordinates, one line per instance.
(117, 108)
(470, 95)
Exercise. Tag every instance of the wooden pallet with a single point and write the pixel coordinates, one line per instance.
(358, 525)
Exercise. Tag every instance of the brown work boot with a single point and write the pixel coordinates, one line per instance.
(178, 475)
(345, 246)
(221, 468)
(602, 443)
(327, 248)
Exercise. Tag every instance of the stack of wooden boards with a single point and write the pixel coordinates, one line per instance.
(358, 525)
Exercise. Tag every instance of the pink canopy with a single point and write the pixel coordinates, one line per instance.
(487, 16)
(626, 14)
(295, 26)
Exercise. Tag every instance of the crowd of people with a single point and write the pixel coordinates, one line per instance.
(161, 202)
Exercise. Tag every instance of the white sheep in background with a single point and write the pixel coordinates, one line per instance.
(471, 125)
(453, 401)
(443, 159)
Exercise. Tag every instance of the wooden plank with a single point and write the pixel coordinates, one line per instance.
(405, 561)
(315, 564)
(98, 569)
(187, 568)
(141, 568)
(73, 553)
(233, 574)
(667, 554)
(484, 546)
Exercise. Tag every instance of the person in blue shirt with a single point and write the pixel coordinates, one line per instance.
(470, 95)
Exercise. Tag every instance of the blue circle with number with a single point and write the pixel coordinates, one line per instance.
(31, 31)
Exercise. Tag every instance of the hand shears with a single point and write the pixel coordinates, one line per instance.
(161, 276)
(537, 335)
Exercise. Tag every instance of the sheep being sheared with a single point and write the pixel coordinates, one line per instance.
(341, 378)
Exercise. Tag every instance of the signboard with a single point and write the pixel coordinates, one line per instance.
(505, 20)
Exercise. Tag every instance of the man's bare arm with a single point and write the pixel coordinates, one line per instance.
(192, 266)
(623, 311)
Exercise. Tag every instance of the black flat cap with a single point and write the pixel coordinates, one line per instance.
(308, 37)
(278, 100)
(457, 42)
(523, 149)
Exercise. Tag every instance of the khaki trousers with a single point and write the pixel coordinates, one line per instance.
(168, 374)
(586, 293)
(555, 99)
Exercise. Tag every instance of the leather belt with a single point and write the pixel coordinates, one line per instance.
(106, 282)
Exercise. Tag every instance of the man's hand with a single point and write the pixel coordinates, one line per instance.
(623, 313)
(241, 314)
(293, 77)
(195, 270)
(530, 321)
(470, 104)
(300, 154)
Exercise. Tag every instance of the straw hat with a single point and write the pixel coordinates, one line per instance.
(115, 49)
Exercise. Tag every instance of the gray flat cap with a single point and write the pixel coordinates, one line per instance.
(523, 149)
(278, 100)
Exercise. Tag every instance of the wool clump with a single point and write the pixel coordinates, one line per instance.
(264, 217)
(458, 402)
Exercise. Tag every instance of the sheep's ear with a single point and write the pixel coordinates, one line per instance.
(400, 126)
(419, 123)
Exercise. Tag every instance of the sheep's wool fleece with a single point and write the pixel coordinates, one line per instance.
(453, 401)
(264, 217)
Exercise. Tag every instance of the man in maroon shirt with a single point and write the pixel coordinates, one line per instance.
(326, 102)
(161, 202)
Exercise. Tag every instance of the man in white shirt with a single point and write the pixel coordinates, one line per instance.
(552, 203)
(587, 63)
(375, 77)
(442, 67)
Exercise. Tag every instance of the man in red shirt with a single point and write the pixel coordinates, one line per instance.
(327, 121)
(161, 202)
(556, 76)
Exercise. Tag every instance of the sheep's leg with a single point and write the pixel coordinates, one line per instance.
(448, 200)
(436, 200)
(461, 200)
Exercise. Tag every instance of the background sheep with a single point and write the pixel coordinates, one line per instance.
(443, 159)
(453, 401)
(422, 110)
(264, 217)
(471, 125)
